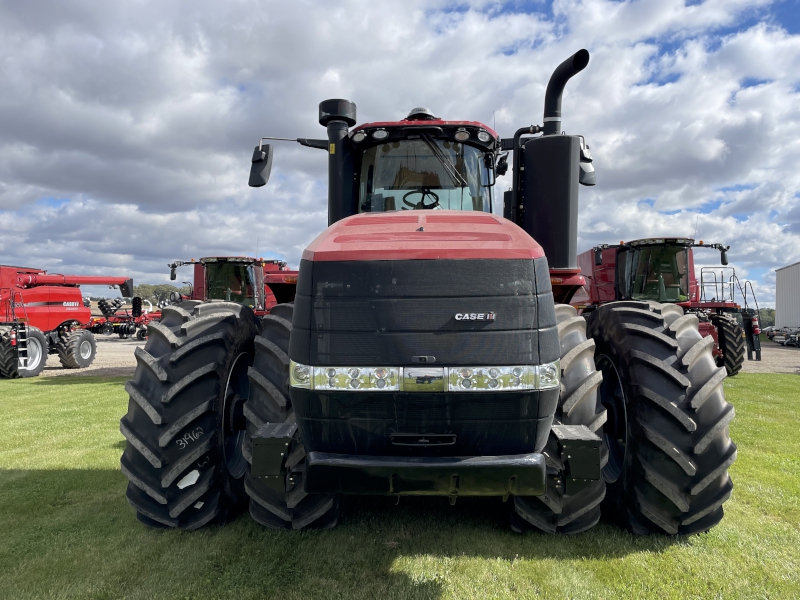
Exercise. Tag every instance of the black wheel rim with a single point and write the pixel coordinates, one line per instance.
(236, 388)
(615, 429)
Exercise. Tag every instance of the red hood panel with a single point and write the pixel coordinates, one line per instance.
(422, 235)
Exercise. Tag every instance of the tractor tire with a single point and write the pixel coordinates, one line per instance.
(76, 349)
(578, 404)
(184, 428)
(280, 502)
(8, 355)
(667, 427)
(732, 343)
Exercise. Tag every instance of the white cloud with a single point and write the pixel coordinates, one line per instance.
(126, 129)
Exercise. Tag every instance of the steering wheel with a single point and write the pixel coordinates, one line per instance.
(421, 204)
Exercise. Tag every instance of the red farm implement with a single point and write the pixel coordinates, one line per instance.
(43, 313)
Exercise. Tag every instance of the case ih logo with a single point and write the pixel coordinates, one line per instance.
(71, 304)
(475, 316)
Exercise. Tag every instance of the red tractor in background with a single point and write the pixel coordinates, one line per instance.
(662, 270)
(255, 282)
(43, 314)
(431, 351)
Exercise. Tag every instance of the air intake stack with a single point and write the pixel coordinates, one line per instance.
(337, 116)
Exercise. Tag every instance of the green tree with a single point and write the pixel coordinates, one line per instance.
(766, 317)
(157, 293)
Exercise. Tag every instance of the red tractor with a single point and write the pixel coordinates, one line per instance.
(662, 270)
(430, 350)
(43, 314)
(255, 282)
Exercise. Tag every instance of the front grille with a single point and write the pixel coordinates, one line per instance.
(388, 312)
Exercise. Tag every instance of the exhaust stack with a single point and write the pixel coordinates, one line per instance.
(555, 88)
(548, 173)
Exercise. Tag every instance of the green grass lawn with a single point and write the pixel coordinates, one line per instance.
(66, 529)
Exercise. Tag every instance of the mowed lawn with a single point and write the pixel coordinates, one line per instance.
(66, 530)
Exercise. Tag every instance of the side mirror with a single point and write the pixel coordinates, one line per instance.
(586, 175)
(502, 165)
(723, 257)
(261, 166)
(172, 274)
(598, 257)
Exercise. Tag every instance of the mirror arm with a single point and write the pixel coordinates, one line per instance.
(320, 144)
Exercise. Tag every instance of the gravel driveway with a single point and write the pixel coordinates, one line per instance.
(114, 358)
(774, 359)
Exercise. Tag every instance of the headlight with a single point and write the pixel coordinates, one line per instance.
(484, 136)
(462, 135)
(458, 379)
(357, 379)
(299, 375)
(380, 134)
(498, 379)
(359, 136)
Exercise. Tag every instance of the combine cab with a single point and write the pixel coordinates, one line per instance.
(662, 270)
(430, 350)
(43, 314)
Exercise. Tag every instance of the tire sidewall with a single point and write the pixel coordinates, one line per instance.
(36, 333)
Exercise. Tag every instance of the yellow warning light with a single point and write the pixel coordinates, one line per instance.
(701, 242)
(621, 243)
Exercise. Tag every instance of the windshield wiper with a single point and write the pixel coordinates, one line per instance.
(448, 166)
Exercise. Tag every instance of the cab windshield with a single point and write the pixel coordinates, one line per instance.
(656, 273)
(424, 174)
(230, 281)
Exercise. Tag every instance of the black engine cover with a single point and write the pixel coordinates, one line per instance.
(385, 313)
(389, 313)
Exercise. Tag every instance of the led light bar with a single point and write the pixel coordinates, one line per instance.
(456, 379)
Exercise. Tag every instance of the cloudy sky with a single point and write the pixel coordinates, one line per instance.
(126, 129)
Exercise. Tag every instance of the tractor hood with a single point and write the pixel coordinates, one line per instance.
(421, 235)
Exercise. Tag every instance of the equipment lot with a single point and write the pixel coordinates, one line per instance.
(68, 532)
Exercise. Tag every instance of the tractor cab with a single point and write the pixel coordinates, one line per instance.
(424, 163)
(656, 269)
(652, 269)
(254, 282)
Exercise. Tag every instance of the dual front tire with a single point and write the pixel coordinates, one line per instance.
(642, 377)
(209, 375)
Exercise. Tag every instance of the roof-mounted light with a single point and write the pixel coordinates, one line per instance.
(462, 135)
(359, 136)
(484, 136)
(380, 134)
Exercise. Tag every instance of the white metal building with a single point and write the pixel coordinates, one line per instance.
(787, 296)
